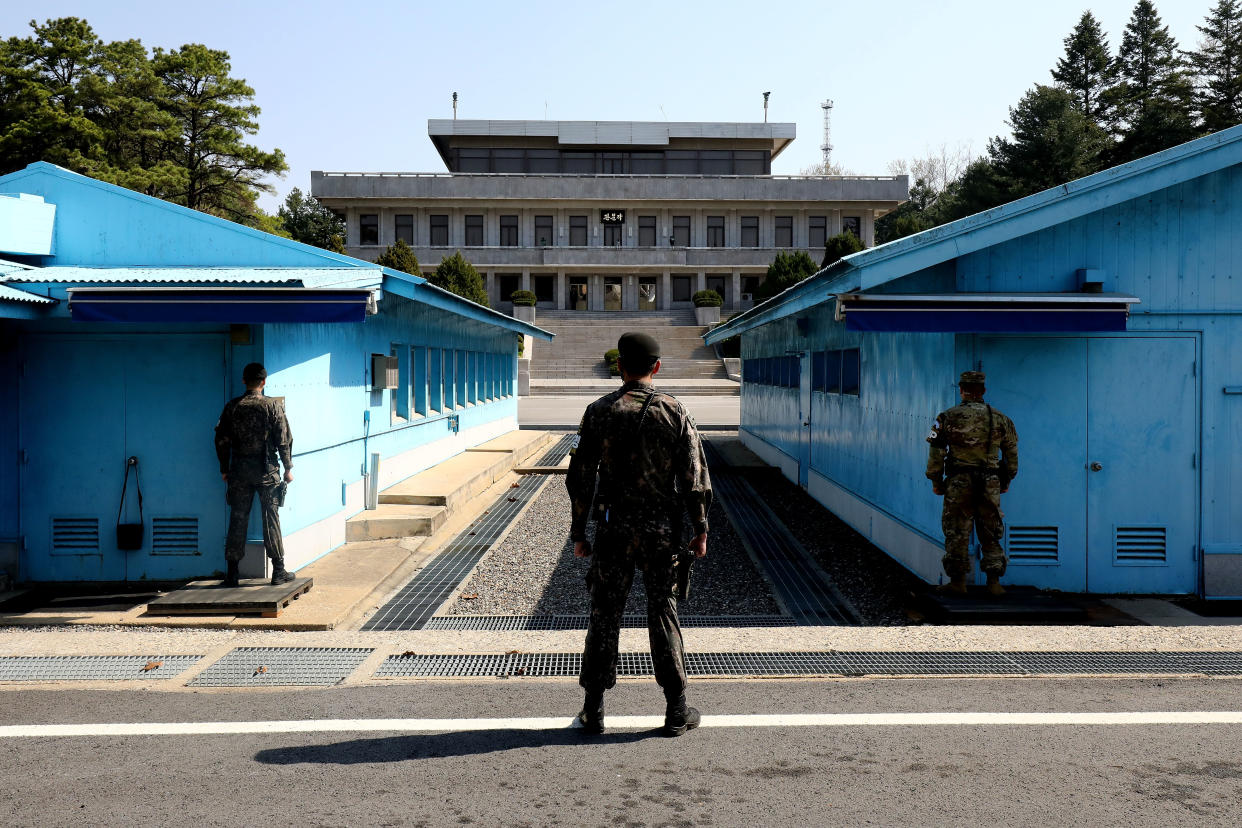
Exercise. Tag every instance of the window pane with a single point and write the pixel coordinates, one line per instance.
(474, 231)
(681, 162)
(544, 231)
(507, 160)
(404, 226)
(543, 161)
(435, 380)
(545, 288)
(508, 283)
(646, 231)
(817, 236)
(681, 289)
(419, 356)
(646, 163)
(849, 371)
(508, 231)
(750, 231)
(681, 231)
(784, 231)
(577, 231)
(614, 235)
(450, 379)
(439, 231)
(749, 162)
(578, 162)
(832, 372)
(852, 224)
(715, 231)
(819, 363)
(715, 162)
(473, 161)
(368, 228)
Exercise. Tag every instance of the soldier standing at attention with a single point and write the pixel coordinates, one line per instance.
(651, 471)
(251, 434)
(963, 467)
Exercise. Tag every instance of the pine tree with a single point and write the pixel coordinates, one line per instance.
(308, 221)
(786, 270)
(457, 275)
(1218, 67)
(1085, 70)
(1053, 142)
(1152, 100)
(399, 256)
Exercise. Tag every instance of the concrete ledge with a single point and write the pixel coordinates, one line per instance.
(393, 520)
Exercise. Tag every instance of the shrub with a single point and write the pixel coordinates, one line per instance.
(707, 299)
(612, 357)
(523, 298)
(839, 246)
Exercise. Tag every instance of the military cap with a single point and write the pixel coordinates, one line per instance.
(254, 373)
(638, 349)
(971, 378)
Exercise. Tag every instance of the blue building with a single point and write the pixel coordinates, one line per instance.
(1107, 316)
(124, 325)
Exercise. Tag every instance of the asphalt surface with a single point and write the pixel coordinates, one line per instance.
(1137, 775)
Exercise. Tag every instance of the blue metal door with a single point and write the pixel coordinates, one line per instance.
(1041, 384)
(1142, 454)
(804, 418)
(88, 403)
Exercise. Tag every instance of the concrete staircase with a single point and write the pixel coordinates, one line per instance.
(419, 505)
(573, 363)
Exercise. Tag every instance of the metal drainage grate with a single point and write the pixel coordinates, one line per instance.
(282, 666)
(558, 452)
(410, 608)
(804, 589)
(579, 622)
(830, 663)
(94, 668)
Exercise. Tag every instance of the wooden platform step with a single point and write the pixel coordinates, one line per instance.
(254, 597)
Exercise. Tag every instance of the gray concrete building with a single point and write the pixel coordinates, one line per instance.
(607, 215)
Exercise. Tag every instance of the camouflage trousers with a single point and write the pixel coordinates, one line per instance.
(616, 556)
(240, 495)
(973, 499)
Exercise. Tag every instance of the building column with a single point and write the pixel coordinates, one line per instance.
(561, 289)
(490, 279)
(666, 290)
(700, 281)
(868, 228)
(524, 280)
(737, 289)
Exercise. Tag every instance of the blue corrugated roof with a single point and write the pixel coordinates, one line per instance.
(12, 294)
(305, 276)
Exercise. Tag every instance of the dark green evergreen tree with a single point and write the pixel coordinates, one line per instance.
(1217, 66)
(457, 275)
(1152, 99)
(308, 221)
(916, 214)
(786, 270)
(1085, 70)
(840, 246)
(399, 256)
(1053, 142)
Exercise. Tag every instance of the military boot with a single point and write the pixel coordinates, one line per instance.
(591, 716)
(231, 579)
(680, 717)
(957, 585)
(994, 585)
(280, 575)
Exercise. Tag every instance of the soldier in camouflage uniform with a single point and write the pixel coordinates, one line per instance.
(963, 467)
(652, 470)
(251, 434)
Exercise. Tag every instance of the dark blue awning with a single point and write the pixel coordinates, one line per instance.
(234, 305)
(986, 313)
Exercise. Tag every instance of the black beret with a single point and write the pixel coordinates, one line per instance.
(254, 373)
(638, 349)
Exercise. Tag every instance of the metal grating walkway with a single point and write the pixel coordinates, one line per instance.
(282, 666)
(558, 452)
(579, 622)
(418, 600)
(801, 586)
(94, 668)
(829, 663)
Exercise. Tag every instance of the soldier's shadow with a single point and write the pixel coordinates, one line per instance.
(413, 747)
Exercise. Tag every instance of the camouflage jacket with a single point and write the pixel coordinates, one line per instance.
(251, 435)
(960, 439)
(646, 479)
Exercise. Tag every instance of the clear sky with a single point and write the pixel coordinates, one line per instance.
(350, 85)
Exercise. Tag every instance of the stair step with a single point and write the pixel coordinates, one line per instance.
(392, 520)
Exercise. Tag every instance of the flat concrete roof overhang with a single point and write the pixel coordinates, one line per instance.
(329, 187)
(579, 134)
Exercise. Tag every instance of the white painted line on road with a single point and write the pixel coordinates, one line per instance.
(620, 723)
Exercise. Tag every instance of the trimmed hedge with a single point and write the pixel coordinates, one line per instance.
(522, 298)
(612, 357)
(707, 299)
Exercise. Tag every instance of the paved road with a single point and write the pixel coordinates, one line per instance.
(1008, 774)
(566, 412)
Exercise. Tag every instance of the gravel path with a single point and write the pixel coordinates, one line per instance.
(877, 586)
(533, 571)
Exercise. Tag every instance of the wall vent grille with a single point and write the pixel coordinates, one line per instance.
(75, 536)
(174, 536)
(1140, 544)
(1034, 544)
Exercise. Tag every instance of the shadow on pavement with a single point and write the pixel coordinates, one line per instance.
(440, 745)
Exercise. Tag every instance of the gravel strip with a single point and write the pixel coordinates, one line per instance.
(533, 571)
(877, 586)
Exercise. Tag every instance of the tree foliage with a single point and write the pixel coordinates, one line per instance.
(840, 246)
(1086, 70)
(786, 270)
(308, 221)
(457, 275)
(1217, 66)
(172, 124)
(400, 256)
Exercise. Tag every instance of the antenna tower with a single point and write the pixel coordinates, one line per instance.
(827, 145)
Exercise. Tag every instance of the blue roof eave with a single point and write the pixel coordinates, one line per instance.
(812, 291)
(418, 289)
